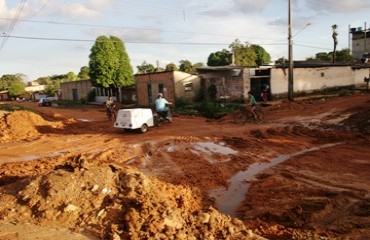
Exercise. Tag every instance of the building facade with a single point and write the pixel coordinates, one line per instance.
(234, 82)
(76, 90)
(361, 43)
(173, 84)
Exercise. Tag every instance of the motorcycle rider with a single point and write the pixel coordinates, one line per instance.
(161, 107)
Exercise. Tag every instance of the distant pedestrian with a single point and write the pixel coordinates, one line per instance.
(265, 93)
(253, 104)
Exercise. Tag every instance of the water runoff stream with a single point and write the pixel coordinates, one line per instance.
(228, 199)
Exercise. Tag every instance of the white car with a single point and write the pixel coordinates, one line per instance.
(44, 102)
(135, 118)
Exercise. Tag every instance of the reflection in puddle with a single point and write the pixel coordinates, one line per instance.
(211, 147)
(171, 149)
(228, 199)
(84, 120)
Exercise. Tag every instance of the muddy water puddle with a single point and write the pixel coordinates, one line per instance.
(228, 199)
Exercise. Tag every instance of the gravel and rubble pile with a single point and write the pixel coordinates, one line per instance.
(111, 202)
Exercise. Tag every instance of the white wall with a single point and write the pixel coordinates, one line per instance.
(316, 78)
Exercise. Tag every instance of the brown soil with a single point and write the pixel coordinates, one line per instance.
(301, 174)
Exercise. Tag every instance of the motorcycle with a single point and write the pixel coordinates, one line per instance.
(162, 117)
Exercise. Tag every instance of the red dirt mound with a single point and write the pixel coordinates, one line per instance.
(22, 125)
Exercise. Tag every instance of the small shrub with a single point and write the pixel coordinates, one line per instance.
(182, 103)
(344, 92)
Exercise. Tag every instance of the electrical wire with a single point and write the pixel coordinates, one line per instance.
(12, 24)
(40, 10)
(137, 29)
(135, 42)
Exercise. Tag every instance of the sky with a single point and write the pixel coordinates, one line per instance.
(41, 38)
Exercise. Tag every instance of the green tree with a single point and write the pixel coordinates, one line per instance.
(323, 56)
(198, 65)
(109, 63)
(244, 55)
(71, 76)
(84, 73)
(186, 66)
(343, 56)
(171, 67)
(262, 56)
(145, 68)
(51, 89)
(281, 61)
(159, 69)
(44, 80)
(220, 58)
(13, 83)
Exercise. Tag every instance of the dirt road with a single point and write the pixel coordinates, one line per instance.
(302, 174)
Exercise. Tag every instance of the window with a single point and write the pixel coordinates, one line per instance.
(188, 87)
(160, 88)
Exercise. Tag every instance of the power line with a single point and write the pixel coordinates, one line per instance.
(12, 24)
(40, 10)
(301, 45)
(135, 28)
(134, 42)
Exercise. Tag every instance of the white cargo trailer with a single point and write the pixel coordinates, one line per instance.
(135, 118)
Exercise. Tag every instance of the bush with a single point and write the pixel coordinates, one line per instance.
(182, 103)
(344, 92)
(208, 109)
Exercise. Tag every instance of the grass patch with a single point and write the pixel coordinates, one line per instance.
(11, 108)
(208, 109)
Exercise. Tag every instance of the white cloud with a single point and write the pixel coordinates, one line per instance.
(131, 35)
(339, 5)
(73, 11)
(249, 6)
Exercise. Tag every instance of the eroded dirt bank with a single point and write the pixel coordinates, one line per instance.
(71, 169)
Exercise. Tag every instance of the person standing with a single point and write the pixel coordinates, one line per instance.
(265, 92)
(109, 104)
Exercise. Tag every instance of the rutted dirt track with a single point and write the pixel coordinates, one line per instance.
(302, 174)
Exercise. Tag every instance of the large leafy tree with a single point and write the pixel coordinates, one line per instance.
(145, 68)
(198, 65)
(241, 54)
(109, 63)
(44, 80)
(343, 56)
(244, 54)
(220, 58)
(84, 73)
(262, 56)
(186, 66)
(171, 67)
(13, 83)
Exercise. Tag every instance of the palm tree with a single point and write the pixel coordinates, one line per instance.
(334, 36)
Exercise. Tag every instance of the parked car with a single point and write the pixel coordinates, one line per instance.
(44, 102)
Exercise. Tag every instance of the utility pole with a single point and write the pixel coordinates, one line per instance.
(290, 50)
(365, 38)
